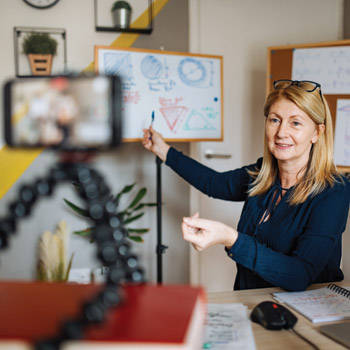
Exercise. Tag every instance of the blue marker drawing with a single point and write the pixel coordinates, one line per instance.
(196, 73)
(156, 70)
(152, 68)
(118, 64)
(196, 121)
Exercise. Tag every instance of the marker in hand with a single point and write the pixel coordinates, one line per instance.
(152, 123)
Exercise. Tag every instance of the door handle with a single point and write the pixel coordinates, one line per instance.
(210, 154)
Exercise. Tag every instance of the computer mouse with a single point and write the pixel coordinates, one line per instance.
(273, 316)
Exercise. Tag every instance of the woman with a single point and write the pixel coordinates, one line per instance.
(296, 203)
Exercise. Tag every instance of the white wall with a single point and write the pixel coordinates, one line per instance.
(128, 164)
(241, 31)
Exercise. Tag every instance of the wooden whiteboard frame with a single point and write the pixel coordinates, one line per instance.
(162, 52)
(279, 66)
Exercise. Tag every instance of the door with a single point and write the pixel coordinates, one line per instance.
(241, 31)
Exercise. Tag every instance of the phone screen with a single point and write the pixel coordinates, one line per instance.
(65, 112)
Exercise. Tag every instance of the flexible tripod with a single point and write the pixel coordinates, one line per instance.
(109, 235)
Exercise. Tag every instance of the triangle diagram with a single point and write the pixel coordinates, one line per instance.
(173, 116)
(196, 121)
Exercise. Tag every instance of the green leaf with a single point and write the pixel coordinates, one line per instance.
(138, 230)
(133, 218)
(136, 239)
(78, 210)
(126, 189)
(139, 207)
(150, 204)
(84, 233)
(142, 205)
(142, 192)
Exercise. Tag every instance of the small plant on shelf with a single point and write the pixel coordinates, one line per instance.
(132, 212)
(40, 48)
(39, 43)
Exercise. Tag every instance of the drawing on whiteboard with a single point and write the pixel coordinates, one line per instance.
(157, 72)
(131, 97)
(184, 90)
(161, 85)
(345, 108)
(197, 121)
(172, 113)
(195, 72)
(210, 113)
(152, 68)
(119, 64)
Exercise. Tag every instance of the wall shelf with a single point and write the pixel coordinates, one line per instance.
(124, 30)
(103, 21)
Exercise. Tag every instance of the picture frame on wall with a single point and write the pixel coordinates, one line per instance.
(28, 58)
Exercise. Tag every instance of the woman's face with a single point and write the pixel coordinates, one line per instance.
(290, 133)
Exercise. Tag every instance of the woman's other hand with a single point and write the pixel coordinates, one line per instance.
(203, 234)
(153, 141)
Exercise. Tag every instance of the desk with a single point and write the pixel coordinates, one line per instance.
(284, 339)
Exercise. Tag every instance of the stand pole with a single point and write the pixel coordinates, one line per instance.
(160, 249)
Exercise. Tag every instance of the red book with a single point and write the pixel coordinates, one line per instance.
(150, 317)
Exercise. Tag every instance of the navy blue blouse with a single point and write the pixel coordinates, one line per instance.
(298, 245)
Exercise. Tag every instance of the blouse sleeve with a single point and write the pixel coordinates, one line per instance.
(229, 185)
(313, 249)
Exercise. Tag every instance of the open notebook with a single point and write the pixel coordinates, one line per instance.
(331, 303)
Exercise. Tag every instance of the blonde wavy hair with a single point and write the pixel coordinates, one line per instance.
(320, 169)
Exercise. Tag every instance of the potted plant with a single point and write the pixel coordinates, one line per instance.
(121, 14)
(131, 212)
(40, 49)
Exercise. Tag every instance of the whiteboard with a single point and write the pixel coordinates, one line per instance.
(183, 91)
(329, 66)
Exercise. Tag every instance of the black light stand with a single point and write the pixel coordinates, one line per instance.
(160, 248)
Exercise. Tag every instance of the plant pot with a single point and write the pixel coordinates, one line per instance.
(40, 64)
(121, 17)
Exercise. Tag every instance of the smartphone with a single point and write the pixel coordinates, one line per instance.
(70, 113)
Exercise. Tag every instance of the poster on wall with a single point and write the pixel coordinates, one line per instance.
(179, 93)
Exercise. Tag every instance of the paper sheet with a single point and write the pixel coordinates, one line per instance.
(342, 133)
(328, 66)
(228, 328)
